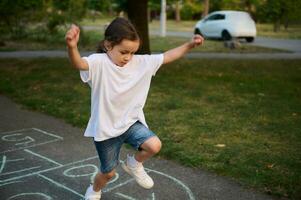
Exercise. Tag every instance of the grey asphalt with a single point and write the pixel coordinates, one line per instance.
(45, 158)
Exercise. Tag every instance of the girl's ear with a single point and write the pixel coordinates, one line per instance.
(107, 45)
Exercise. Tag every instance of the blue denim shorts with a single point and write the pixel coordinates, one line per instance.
(108, 150)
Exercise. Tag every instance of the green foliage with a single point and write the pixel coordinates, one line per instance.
(280, 11)
(61, 12)
(15, 15)
(100, 5)
(191, 10)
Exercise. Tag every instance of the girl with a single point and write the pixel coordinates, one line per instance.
(120, 82)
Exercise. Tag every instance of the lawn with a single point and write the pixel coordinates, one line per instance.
(240, 119)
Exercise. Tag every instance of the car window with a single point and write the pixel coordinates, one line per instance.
(220, 17)
(216, 17)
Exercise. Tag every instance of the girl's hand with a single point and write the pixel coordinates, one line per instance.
(196, 40)
(72, 36)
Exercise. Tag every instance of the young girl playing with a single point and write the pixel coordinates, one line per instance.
(120, 82)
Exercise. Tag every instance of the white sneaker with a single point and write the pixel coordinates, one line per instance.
(91, 195)
(139, 174)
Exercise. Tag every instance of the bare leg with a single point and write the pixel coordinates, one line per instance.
(101, 180)
(149, 148)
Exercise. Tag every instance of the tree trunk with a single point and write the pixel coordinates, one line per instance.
(206, 8)
(286, 22)
(149, 17)
(137, 13)
(177, 11)
(277, 25)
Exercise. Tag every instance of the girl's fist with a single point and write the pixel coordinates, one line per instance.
(72, 36)
(197, 40)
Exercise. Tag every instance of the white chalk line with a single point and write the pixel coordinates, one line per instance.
(189, 192)
(60, 185)
(47, 133)
(47, 170)
(33, 128)
(125, 196)
(3, 163)
(10, 183)
(43, 157)
(22, 170)
(37, 144)
(117, 186)
(131, 198)
(13, 160)
(15, 131)
(34, 145)
(31, 194)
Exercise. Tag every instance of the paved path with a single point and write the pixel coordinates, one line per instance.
(285, 44)
(45, 158)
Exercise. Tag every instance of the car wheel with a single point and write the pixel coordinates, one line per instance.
(226, 35)
(250, 39)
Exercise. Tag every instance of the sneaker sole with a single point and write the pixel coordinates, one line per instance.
(126, 169)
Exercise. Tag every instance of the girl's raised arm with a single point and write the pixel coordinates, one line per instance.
(178, 52)
(72, 37)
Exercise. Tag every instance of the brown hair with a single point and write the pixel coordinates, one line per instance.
(119, 29)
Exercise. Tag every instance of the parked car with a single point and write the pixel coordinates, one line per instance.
(226, 25)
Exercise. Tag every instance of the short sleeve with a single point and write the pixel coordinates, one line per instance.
(94, 65)
(156, 60)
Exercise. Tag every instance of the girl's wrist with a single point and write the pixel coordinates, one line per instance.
(190, 45)
(71, 48)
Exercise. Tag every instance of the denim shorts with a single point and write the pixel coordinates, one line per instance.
(108, 150)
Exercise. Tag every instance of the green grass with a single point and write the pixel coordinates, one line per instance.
(252, 107)
(267, 30)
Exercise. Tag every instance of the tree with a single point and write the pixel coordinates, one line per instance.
(61, 12)
(137, 13)
(281, 12)
(177, 11)
(16, 15)
(191, 9)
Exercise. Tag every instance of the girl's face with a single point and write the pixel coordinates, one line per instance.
(123, 52)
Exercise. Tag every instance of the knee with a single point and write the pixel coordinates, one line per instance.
(155, 147)
(109, 175)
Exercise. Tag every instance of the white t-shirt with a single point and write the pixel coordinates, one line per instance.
(118, 94)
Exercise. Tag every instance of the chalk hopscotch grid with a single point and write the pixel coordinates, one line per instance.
(39, 173)
(58, 138)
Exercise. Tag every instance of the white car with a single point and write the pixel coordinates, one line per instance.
(226, 25)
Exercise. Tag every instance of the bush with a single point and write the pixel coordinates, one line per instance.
(191, 11)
